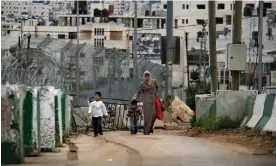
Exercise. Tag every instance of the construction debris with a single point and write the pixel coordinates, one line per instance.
(180, 111)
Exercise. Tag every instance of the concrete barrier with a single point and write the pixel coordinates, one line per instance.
(264, 114)
(268, 105)
(271, 124)
(68, 115)
(232, 104)
(203, 104)
(257, 111)
(249, 109)
(12, 141)
(47, 117)
(31, 122)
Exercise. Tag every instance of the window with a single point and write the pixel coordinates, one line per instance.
(250, 5)
(228, 19)
(183, 21)
(231, 7)
(200, 21)
(165, 6)
(219, 20)
(61, 36)
(187, 6)
(268, 5)
(183, 6)
(200, 6)
(98, 43)
(72, 35)
(187, 21)
(221, 6)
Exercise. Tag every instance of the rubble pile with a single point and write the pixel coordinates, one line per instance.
(181, 115)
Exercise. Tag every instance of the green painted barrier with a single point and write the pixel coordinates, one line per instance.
(268, 106)
(31, 123)
(59, 109)
(57, 133)
(63, 113)
(12, 145)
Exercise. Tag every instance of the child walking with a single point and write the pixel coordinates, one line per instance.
(134, 113)
(97, 110)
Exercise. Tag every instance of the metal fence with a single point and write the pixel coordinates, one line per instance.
(113, 75)
(44, 61)
(116, 119)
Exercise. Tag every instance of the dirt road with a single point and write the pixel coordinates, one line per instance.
(122, 149)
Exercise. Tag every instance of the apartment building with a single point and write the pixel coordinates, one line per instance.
(19, 8)
(61, 5)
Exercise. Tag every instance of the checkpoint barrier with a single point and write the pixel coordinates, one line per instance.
(264, 113)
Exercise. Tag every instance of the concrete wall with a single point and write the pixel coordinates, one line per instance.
(226, 109)
(264, 113)
(12, 143)
(31, 122)
(232, 103)
(203, 104)
(47, 117)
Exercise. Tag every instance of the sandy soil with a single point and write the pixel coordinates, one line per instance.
(239, 140)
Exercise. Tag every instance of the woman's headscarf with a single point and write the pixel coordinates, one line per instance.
(150, 80)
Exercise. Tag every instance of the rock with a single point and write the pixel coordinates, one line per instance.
(171, 125)
(183, 112)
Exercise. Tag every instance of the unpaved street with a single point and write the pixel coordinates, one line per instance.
(122, 149)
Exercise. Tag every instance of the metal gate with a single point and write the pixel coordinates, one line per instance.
(116, 120)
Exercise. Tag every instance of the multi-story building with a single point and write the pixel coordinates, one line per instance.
(17, 8)
(116, 31)
(61, 5)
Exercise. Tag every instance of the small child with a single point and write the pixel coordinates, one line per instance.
(97, 110)
(134, 113)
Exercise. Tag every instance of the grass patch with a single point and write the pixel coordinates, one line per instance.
(210, 122)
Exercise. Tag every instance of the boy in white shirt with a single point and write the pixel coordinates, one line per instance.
(97, 110)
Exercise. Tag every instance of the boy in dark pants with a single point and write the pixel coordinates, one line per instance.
(97, 110)
(134, 113)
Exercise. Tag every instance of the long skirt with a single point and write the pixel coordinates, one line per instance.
(149, 111)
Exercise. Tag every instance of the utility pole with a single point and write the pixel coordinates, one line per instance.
(236, 39)
(187, 53)
(169, 56)
(200, 59)
(212, 44)
(134, 50)
(260, 45)
(204, 53)
(77, 57)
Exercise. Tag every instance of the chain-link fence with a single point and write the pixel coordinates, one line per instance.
(113, 72)
(44, 61)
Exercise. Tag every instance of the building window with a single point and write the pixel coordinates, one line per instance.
(221, 6)
(250, 5)
(61, 36)
(200, 21)
(99, 32)
(183, 6)
(187, 21)
(200, 7)
(228, 19)
(72, 35)
(187, 6)
(231, 7)
(268, 5)
(98, 43)
(183, 21)
(219, 20)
